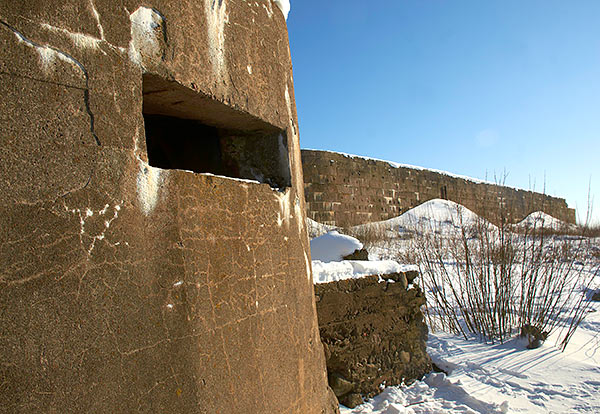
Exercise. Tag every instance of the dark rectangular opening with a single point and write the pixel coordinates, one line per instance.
(183, 144)
(187, 130)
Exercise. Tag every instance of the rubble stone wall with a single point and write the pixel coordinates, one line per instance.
(345, 191)
(125, 287)
(373, 332)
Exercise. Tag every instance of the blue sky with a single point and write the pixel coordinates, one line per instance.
(479, 88)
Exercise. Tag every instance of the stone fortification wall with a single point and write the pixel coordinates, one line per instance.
(153, 251)
(345, 191)
(373, 333)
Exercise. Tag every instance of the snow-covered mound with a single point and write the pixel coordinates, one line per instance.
(541, 220)
(354, 269)
(333, 246)
(431, 215)
(440, 211)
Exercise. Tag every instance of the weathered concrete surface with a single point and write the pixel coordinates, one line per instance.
(373, 333)
(347, 191)
(128, 288)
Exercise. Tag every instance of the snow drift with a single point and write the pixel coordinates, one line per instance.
(333, 246)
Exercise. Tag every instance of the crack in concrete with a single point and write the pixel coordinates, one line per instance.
(157, 384)
(65, 55)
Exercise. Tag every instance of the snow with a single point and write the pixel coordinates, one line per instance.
(439, 212)
(144, 21)
(240, 180)
(540, 220)
(333, 246)
(284, 6)
(328, 250)
(528, 380)
(354, 269)
(501, 378)
(435, 394)
(149, 182)
(284, 214)
(434, 215)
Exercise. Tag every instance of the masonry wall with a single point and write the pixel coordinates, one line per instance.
(125, 287)
(373, 332)
(346, 191)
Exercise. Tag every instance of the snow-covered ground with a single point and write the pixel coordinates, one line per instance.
(483, 377)
(502, 378)
(439, 216)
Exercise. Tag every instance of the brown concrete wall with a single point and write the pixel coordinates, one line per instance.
(346, 191)
(128, 288)
(373, 333)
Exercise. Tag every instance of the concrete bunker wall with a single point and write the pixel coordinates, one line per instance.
(346, 191)
(126, 287)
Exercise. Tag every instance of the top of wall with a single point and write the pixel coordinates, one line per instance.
(394, 164)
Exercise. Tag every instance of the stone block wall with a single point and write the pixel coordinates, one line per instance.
(373, 334)
(147, 267)
(343, 190)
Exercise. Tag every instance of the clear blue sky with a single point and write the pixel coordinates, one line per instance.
(468, 86)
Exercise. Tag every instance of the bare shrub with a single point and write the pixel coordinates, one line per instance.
(370, 233)
(316, 229)
(490, 281)
(384, 240)
(377, 232)
(589, 230)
